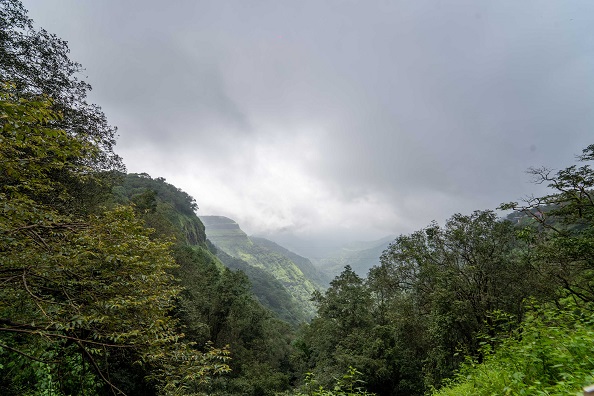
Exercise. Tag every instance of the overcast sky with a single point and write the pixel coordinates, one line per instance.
(355, 119)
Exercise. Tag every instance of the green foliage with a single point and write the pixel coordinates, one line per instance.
(549, 354)
(349, 384)
(24, 376)
(36, 63)
(32, 152)
(87, 285)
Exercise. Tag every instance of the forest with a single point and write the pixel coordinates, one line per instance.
(111, 287)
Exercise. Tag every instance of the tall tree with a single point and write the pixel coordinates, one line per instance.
(562, 227)
(36, 63)
(456, 276)
(336, 338)
(77, 289)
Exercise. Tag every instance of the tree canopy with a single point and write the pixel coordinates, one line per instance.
(84, 285)
(36, 62)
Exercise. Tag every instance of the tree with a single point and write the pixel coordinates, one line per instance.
(78, 289)
(36, 63)
(456, 277)
(338, 336)
(346, 301)
(561, 230)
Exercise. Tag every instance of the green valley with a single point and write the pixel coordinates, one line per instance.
(259, 253)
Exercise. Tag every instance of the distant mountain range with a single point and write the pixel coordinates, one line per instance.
(331, 256)
(361, 256)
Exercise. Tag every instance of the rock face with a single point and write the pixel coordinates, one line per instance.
(224, 232)
(227, 236)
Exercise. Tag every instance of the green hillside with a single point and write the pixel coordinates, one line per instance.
(267, 289)
(228, 237)
(169, 211)
(304, 264)
(224, 300)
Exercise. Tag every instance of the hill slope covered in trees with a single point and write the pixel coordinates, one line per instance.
(228, 237)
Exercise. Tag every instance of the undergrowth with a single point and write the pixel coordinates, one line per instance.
(551, 353)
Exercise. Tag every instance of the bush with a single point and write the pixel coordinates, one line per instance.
(550, 354)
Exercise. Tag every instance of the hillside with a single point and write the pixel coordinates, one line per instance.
(226, 234)
(224, 300)
(169, 211)
(304, 264)
(269, 291)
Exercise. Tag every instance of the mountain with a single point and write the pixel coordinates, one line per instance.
(223, 301)
(297, 276)
(304, 264)
(269, 291)
(170, 212)
(311, 247)
(361, 256)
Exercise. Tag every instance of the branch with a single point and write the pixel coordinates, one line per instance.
(69, 226)
(16, 269)
(96, 366)
(540, 219)
(37, 239)
(28, 329)
(36, 298)
(27, 355)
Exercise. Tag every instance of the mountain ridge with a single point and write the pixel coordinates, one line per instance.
(226, 235)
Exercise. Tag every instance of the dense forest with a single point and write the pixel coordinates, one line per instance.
(110, 285)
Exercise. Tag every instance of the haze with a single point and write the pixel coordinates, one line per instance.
(338, 119)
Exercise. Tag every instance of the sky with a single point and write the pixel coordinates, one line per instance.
(347, 120)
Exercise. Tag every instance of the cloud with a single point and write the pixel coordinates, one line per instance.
(338, 117)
